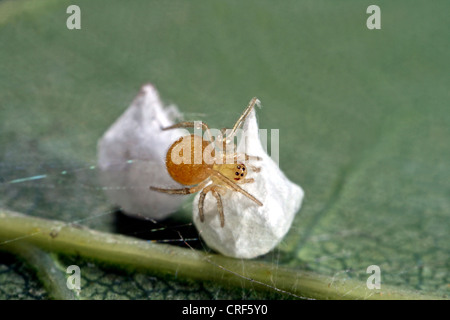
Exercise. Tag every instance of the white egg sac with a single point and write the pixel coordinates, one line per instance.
(131, 157)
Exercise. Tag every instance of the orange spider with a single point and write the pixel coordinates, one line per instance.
(224, 171)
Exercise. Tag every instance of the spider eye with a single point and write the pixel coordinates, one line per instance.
(237, 173)
(243, 168)
(238, 167)
(242, 174)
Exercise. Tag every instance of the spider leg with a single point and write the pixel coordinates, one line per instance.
(255, 169)
(242, 118)
(219, 206)
(227, 139)
(190, 190)
(190, 124)
(201, 201)
(256, 158)
(232, 158)
(235, 187)
(225, 143)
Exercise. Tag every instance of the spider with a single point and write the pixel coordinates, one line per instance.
(225, 171)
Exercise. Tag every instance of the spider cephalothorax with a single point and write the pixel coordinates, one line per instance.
(236, 172)
(186, 164)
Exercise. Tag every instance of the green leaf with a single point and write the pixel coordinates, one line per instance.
(143, 256)
(364, 129)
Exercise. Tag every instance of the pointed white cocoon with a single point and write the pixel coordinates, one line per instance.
(131, 157)
(251, 230)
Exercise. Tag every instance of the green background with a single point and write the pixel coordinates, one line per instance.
(363, 117)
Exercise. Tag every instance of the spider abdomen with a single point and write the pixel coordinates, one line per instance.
(185, 160)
